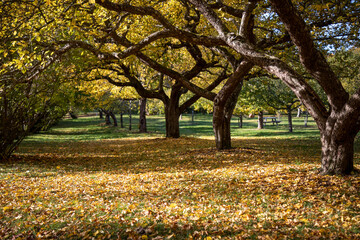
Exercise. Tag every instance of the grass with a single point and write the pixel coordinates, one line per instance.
(92, 128)
(83, 180)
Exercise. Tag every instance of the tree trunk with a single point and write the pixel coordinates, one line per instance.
(221, 126)
(288, 109)
(73, 115)
(121, 120)
(142, 117)
(298, 112)
(337, 155)
(224, 105)
(130, 116)
(222, 114)
(240, 121)
(172, 122)
(261, 120)
(101, 114)
(306, 118)
(172, 125)
(107, 119)
(112, 115)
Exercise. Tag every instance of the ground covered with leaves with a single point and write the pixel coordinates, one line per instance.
(175, 189)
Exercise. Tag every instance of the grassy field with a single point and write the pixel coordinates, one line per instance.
(84, 180)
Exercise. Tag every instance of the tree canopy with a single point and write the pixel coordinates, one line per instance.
(289, 40)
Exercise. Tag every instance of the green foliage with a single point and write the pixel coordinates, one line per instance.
(346, 65)
(266, 94)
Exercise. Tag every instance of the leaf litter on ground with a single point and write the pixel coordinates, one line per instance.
(175, 189)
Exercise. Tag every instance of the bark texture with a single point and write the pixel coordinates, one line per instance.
(224, 104)
(341, 122)
(142, 118)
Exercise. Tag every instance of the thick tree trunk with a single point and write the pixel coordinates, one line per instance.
(172, 115)
(172, 121)
(288, 109)
(221, 126)
(222, 114)
(337, 156)
(224, 105)
(142, 118)
(172, 111)
(261, 120)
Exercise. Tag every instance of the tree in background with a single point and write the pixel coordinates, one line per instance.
(272, 94)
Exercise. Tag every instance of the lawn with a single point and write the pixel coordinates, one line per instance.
(84, 180)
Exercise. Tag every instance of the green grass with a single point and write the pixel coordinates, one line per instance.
(93, 128)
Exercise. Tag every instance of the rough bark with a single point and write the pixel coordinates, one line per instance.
(224, 104)
(222, 120)
(172, 112)
(310, 56)
(142, 117)
(172, 123)
(337, 155)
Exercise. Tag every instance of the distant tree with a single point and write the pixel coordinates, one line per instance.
(274, 94)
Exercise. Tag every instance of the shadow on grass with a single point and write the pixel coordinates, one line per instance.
(160, 154)
(87, 189)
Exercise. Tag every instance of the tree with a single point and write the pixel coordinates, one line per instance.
(34, 90)
(29, 105)
(256, 33)
(340, 123)
(272, 94)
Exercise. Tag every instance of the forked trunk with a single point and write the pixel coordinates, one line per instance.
(337, 156)
(223, 108)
